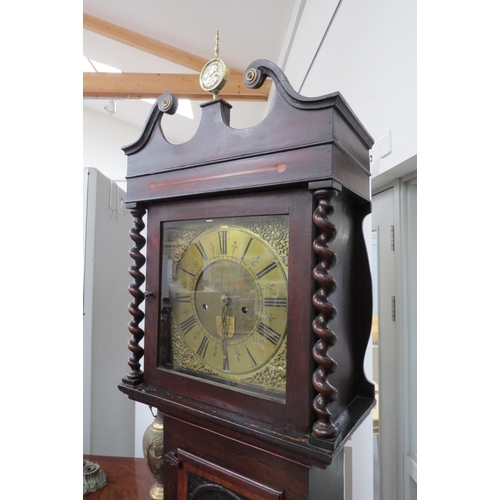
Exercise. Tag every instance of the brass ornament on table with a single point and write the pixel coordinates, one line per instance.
(94, 478)
(152, 445)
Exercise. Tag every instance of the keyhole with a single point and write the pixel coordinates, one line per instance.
(205, 306)
(244, 309)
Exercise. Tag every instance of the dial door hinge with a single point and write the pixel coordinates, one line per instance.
(171, 459)
(393, 308)
(393, 245)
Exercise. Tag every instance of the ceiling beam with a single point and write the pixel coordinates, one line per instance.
(152, 85)
(145, 43)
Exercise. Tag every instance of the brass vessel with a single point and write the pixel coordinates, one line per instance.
(152, 445)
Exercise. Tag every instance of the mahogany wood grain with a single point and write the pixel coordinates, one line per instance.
(128, 478)
(250, 463)
(226, 478)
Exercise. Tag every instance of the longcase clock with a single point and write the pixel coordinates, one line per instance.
(257, 297)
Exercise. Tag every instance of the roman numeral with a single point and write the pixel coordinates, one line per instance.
(268, 333)
(202, 349)
(246, 248)
(222, 242)
(187, 324)
(252, 360)
(187, 272)
(183, 298)
(267, 269)
(274, 302)
(200, 249)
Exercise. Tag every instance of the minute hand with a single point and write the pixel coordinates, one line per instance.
(224, 328)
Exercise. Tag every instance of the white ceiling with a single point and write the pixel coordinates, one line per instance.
(248, 30)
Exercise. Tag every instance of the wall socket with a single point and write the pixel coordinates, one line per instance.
(385, 144)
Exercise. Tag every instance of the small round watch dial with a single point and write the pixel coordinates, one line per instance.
(214, 75)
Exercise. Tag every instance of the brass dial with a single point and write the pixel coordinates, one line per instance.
(215, 73)
(229, 301)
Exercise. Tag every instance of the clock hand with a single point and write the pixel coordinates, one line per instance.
(224, 327)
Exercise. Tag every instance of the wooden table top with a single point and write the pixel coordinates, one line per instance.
(128, 478)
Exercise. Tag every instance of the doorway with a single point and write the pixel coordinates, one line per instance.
(384, 345)
(394, 264)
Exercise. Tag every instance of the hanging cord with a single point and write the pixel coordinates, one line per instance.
(118, 205)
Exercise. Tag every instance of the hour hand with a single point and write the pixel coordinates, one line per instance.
(223, 318)
(225, 323)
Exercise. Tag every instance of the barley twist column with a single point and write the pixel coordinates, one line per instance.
(135, 376)
(324, 426)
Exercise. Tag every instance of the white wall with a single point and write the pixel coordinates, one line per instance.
(369, 54)
(108, 415)
(103, 138)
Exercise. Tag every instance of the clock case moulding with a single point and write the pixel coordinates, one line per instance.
(309, 157)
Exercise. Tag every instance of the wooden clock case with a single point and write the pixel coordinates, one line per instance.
(308, 159)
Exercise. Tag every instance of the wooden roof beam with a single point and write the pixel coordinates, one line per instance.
(152, 85)
(146, 44)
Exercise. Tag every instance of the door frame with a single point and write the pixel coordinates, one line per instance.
(402, 401)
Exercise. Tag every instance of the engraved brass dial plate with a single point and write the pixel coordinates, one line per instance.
(225, 285)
